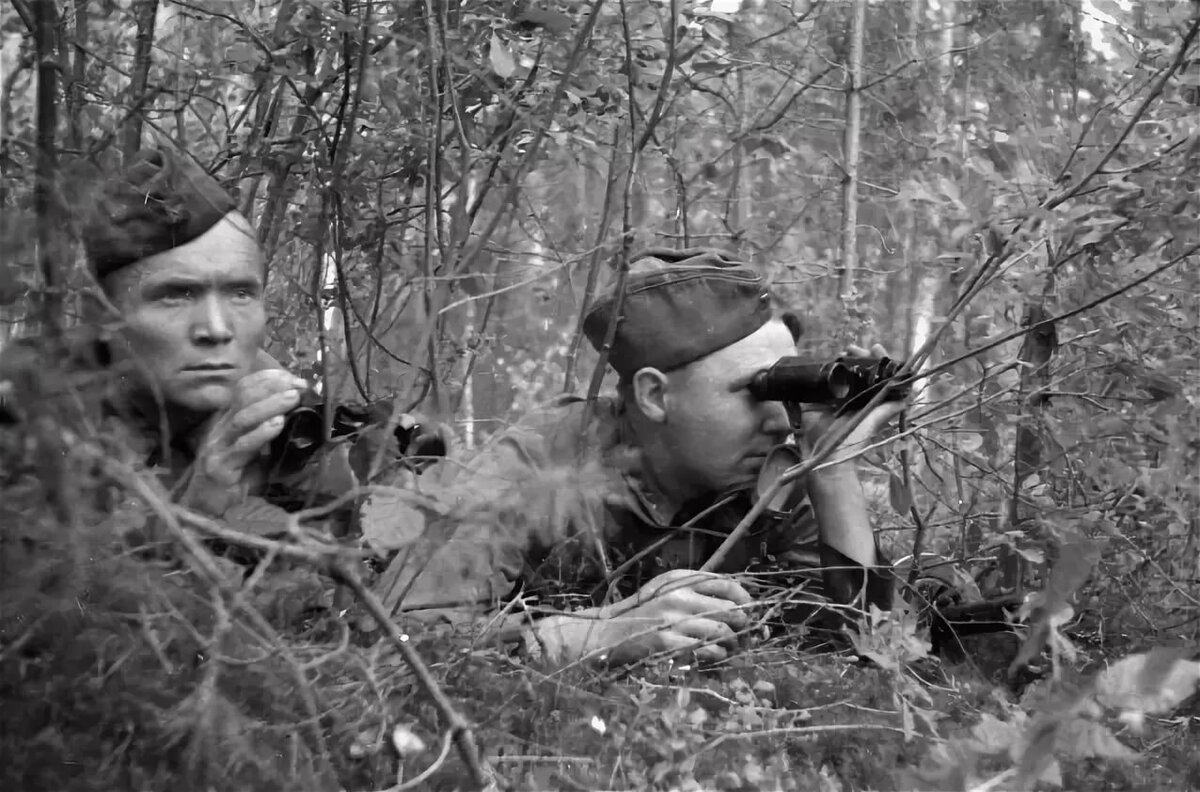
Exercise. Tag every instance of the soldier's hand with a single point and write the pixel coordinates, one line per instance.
(678, 611)
(816, 420)
(255, 417)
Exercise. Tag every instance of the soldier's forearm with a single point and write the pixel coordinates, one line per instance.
(840, 507)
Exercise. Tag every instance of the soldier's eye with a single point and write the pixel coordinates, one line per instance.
(178, 294)
(243, 292)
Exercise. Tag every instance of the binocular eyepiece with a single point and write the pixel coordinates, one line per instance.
(846, 382)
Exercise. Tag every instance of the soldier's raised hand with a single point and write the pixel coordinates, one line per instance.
(255, 416)
(816, 420)
(678, 611)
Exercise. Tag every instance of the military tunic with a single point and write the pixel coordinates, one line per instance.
(84, 383)
(554, 509)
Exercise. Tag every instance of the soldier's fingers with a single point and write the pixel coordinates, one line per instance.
(878, 350)
(689, 648)
(723, 588)
(856, 351)
(226, 461)
(672, 581)
(720, 610)
(252, 416)
(260, 385)
(709, 631)
(711, 653)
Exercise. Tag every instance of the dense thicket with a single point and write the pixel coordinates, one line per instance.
(1008, 190)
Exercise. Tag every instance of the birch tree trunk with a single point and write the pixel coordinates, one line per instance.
(78, 76)
(925, 281)
(850, 145)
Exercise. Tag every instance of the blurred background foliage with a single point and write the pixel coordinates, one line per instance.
(441, 186)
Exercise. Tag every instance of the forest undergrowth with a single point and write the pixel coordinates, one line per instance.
(1005, 191)
(188, 663)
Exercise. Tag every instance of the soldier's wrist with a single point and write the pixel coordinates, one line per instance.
(837, 480)
(566, 638)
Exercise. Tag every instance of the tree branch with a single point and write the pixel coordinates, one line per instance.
(145, 13)
(45, 201)
(1153, 94)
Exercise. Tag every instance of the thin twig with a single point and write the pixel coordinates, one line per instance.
(1117, 292)
(794, 731)
(459, 728)
(589, 293)
(1155, 91)
(514, 186)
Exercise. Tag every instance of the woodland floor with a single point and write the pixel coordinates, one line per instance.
(100, 707)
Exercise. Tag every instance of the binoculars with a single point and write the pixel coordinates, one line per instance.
(304, 434)
(847, 383)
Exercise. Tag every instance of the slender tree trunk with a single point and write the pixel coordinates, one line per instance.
(74, 94)
(598, 259)
(850, 145)
(145, 12)
(266, 112)
(944, 63)
(1037, 350)
(467, 400)
(279, 191)
(45, 200)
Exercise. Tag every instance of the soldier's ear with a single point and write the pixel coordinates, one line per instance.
(650, 393)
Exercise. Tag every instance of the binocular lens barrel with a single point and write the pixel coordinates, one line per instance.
(793, 379)
(844, 381)
(304, 427)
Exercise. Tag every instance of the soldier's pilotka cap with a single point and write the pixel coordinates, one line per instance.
(679, 306)
(159, 201)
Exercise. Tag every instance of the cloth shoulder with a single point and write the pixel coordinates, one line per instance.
(535, 485)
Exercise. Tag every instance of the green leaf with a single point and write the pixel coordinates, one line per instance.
(393, 518)
(500, 58)
(898, 495)
(244, 55)
(969, 441)
(554, 21)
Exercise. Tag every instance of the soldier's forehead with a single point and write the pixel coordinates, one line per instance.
(228, 249)
(754, 352)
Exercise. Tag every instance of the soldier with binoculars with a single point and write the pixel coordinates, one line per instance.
(179, 363)
(706, 367)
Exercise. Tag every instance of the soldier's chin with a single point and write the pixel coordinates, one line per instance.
(208, 398)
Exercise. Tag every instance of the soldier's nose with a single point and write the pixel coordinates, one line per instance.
(213, 325)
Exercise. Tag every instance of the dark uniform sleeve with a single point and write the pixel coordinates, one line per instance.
(842, 579)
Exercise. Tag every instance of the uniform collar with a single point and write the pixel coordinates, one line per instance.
(645, 501)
